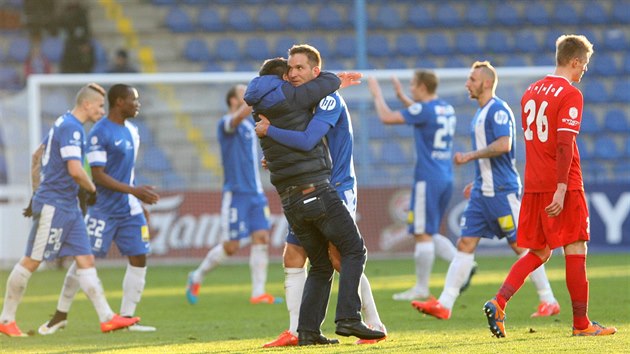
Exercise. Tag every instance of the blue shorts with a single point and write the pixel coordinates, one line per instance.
(243, 213)
(490, 217)
(56, 232)
(131, 233)
(349, 199)
(429, 200)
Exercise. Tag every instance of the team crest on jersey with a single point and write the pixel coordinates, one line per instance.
(76, 135)
(94, 140)
(501, 117)
(415, 109)
(573, 112)
(327, 103)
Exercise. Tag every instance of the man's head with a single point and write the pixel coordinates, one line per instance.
(121, 57)
(276, 66)
(234, 96)
(423, 85)
(124, 98)
(573, 52)
(90, 103)
(482, 80)
(304, 63)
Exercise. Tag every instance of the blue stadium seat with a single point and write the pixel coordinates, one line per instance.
(595, 170)
(164, 2)
(627, 149)
(537, 14)
(283, 43)
(269, 19)
(621, 90)
(425, 63)
(604, 64)
(615, 40)
(227, 49)
(595, 91)
(196, 49)
(178, 21)
(4, 171)
(52, 49)
(626, 64)
(213, 67)
(453, 61)
(403, 131)
(376, 130)
(321, 43)
(498, 42)
(173, 181)
(549, 41)
(209, 20)
(620, 13)
(467, 43)
(298, 18)
(243, 66)
(18, 49)
(395, 63)
(155, 160)
(477, 14)
(419, 16)
(446, 15)
(239, 20)
(616, 121)
(9, 78)
(564, 13)
(388, 17)
(606, 148)
(621, 170)
(594, 13)
(335, 65)
(330, 18)
(438, 43)
(506, 14)
(256, 48)
(584, 149)
(345, 46)
(515, 60)
(526, 41)
(590, 123)
(407, 45)
(546, 59)
(100, 56)
(378, 46)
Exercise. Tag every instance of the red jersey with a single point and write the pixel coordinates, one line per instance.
(548, 106)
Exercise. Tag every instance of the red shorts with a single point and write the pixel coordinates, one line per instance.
(537, 230)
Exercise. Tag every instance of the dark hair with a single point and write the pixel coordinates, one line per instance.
(276, 66)
(121, 53)
(117, 91)
(231, 94)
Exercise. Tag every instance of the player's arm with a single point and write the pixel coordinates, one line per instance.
(76, 171)
(308, 94)
(144, 193)
(400, 93)
(36, 166)
(385, 114)
(497, 148)
(564, 156)
(239, 115)
(300, 140)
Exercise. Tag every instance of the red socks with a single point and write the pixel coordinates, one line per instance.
(578, 288)
(515, 279)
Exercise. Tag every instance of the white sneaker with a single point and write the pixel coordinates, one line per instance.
(140, 328)
(411, 294)
(44, 330)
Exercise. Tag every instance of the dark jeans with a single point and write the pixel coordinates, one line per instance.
(316, 218)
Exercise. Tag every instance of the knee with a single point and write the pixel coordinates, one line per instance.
(260, 237)
(294, 256)
(138, 261)
(230, 247)
(467, 244)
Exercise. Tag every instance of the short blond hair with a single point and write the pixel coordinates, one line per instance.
(488, 70)
(89, 92)
(571, 46)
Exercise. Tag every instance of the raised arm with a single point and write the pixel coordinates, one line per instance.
(385, 114)
(400, 93)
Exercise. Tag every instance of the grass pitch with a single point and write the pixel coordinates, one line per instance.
(225, 322)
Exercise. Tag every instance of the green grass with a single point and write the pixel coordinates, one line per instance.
(224, 322)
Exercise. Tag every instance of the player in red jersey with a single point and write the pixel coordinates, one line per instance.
(553, 210)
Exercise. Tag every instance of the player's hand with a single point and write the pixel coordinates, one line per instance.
(349, 78)
(90, 198)
(28, 211)
(467, 190)
(146, 194)
(461, 158)
(397, 86)
(263, 162)
(262, 126)
(373, 86)
(557, 203)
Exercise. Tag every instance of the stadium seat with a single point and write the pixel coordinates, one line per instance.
(446, 15)
(335, 65)
(256, 48)
(477, 14)
(537, 14)
(549, 40)
(594, 13)
(394, 63)
(590, 123)
(515, 60)
(627, 148)
(268, 19)
(155, 160)
(498, 42)
(196, 49)
(240, 20)
(438, 43)
(425, 63)
(407, 45)
(616, 121)
(604, 64)
(209, 20)
(621, 90)
(606, 148)
(564, 13)
(321, 43)
(546, 59)
(526, 41)
(621, 170)
(227, 49)
(506, 14)
(52, 49)
(283, 43)
(620, 13)
(4, 172)
(246, 66)
(146, 138)
(387, 17)
(595, 91)
(100, 56)
(164, 2)
(376, 130)
(378, 46)
(9, 78)
(212, 67)
(453, 61)
(330, 18)
(419, 16)
(18, 49)
(594, 171)
(178, 21)
(467, 43)
(298, 19)
(345, 46)
(626, 64)
(393, 153)
(173, 181)
(615, 40)
(584, 149)
(403, 131)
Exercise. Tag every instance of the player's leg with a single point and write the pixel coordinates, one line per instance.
(16, 287)
(444, 248)
(68, 291)
(258, 221)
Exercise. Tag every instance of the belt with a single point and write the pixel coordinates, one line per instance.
(301, 189)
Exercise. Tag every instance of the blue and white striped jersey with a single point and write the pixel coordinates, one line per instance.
(239, 153)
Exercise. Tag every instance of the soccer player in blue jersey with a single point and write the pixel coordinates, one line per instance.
(332, 122)
(493, 208)
(117, 216)
(433, 120)
(244, 209)
(58, 227)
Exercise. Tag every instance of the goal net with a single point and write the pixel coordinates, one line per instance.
(179, 154)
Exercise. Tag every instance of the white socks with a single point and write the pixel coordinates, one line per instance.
(444, 248)
(424, 256)
(539, 278)
(92, 287)
(294, 279)
(133, 286)
(258, 262)
(16, 286)
(458, 272)
(69, 290)
(214, 257)
(368, 305)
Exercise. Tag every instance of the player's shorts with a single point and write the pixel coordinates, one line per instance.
(536, 230)
(490, 217)
(243, 214)
(349, 199)
(56, 232)
(429, 200)
(130, 233)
